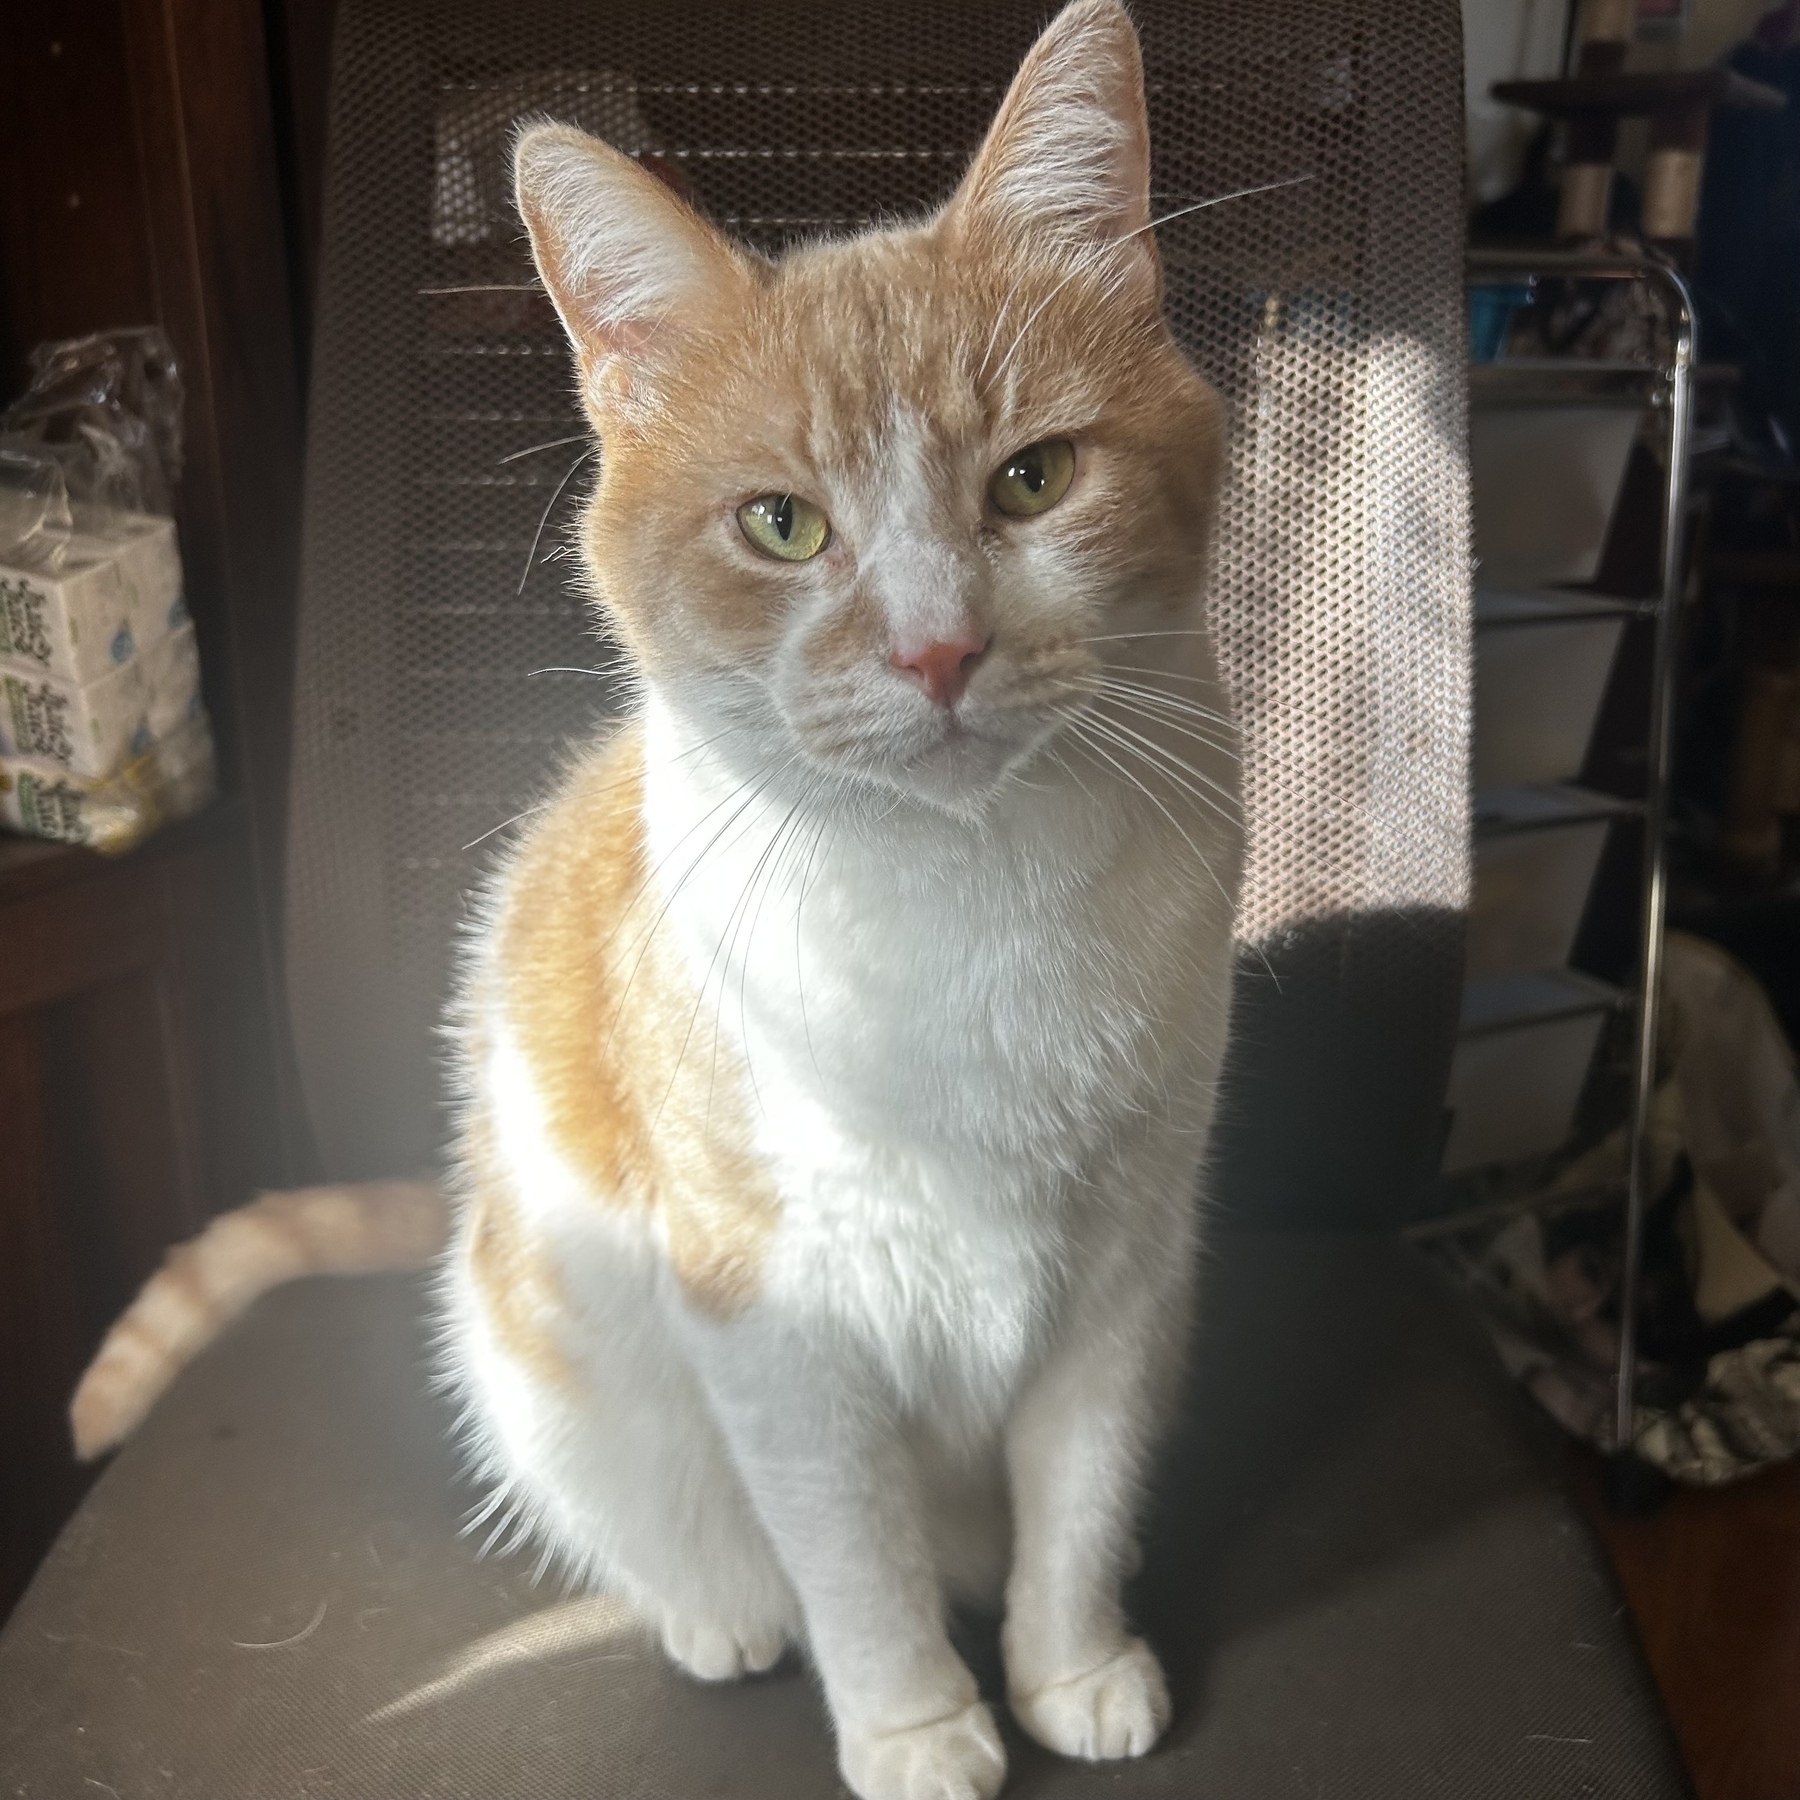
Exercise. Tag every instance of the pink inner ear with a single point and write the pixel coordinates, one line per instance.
(629, 337)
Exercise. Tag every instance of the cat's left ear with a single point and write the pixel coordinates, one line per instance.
(631, 268)
(1066, 163)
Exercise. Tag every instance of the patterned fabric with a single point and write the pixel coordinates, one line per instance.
(1719, 1372)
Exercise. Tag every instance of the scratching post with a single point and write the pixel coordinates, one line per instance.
(1599, 95)
(1594, 135)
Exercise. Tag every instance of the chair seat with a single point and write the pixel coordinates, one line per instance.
(1363, 1574)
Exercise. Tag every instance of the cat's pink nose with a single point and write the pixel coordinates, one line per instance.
(943, 666)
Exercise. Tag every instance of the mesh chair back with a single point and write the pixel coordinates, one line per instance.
(1328, 314)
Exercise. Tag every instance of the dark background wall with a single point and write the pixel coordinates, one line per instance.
(162, 163)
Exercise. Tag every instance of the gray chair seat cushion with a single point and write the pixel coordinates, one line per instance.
(1363, 1575)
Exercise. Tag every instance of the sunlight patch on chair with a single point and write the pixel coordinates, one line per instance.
(593, 1628)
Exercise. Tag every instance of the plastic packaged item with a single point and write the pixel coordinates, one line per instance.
(104, 411)
(115, 587)
(173, 778)
(1521, 1059)
(90, 729)
(103, 734)
(1536, 850)
(1542, 662)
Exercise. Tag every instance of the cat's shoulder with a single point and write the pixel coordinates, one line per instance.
(587, 838)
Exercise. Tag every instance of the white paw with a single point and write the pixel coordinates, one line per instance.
(1118, 1709)
(958, 1758)
(712, 1652)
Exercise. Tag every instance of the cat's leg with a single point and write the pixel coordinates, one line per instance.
(838, 1489)
(590, 1423)
(1078, 1444)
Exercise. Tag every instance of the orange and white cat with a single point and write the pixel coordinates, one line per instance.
(838, 1051)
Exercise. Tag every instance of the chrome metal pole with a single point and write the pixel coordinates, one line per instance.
(1679, 376)
(1656, 869)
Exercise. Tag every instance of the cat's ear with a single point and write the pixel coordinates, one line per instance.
(1067, 159)
(627, 263)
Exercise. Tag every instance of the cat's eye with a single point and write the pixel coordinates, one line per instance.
(784, 526)
(1032, 480)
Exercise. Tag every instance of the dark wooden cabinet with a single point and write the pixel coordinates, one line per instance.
(161, 165)
(137, 1096)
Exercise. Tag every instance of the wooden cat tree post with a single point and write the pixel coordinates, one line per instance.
(1599, 94)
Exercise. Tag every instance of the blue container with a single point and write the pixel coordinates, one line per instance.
(1491, 307)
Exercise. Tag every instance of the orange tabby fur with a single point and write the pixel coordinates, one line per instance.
(643, 1100)
(207, 1282)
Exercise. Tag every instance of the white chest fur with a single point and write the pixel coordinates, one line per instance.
(969, 1045)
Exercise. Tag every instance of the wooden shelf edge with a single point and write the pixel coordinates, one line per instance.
(35, 865)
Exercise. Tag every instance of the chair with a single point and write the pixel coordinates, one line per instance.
(1361, 1570)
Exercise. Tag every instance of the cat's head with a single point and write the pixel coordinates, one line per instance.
(888, 506)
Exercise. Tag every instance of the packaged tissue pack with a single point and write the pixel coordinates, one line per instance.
(92, 729)
(112, 589)
(174, 777)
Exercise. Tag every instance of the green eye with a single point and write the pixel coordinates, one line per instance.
(1032, 480)
(784, 526)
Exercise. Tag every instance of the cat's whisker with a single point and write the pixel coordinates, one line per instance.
(806, 879)
(1205, 681)
(754, 793)
(1012, 294)
(1223, 736)
(1081, 266)
(1172, 710)
(767, 866)
(1171, 768)
(705, 982)
(1215, 734)
(488, 287)
(1284, 704)
(1103, 251)
(1090, 722)
(1261, 776)
(1170, 724)
(799, 808)
(494, 830)
(1090, 691)
(754, 788)
(1056, 756)
(611, 787)
(537, 537)
(1143, 681)
(1178, 704)
(1088, 730)
(1244, 193)
(1127, 637)
(729, 933)
(561, 443)
(1224, 793)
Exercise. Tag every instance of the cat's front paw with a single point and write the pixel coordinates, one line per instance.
(1118, 1709)
(958, 1758)
(712, 1652)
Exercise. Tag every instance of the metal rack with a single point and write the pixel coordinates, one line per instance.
(1672, 392)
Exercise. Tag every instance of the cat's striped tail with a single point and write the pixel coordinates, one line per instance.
(205, 1283)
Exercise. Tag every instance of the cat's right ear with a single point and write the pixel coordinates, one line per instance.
(626, 262)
